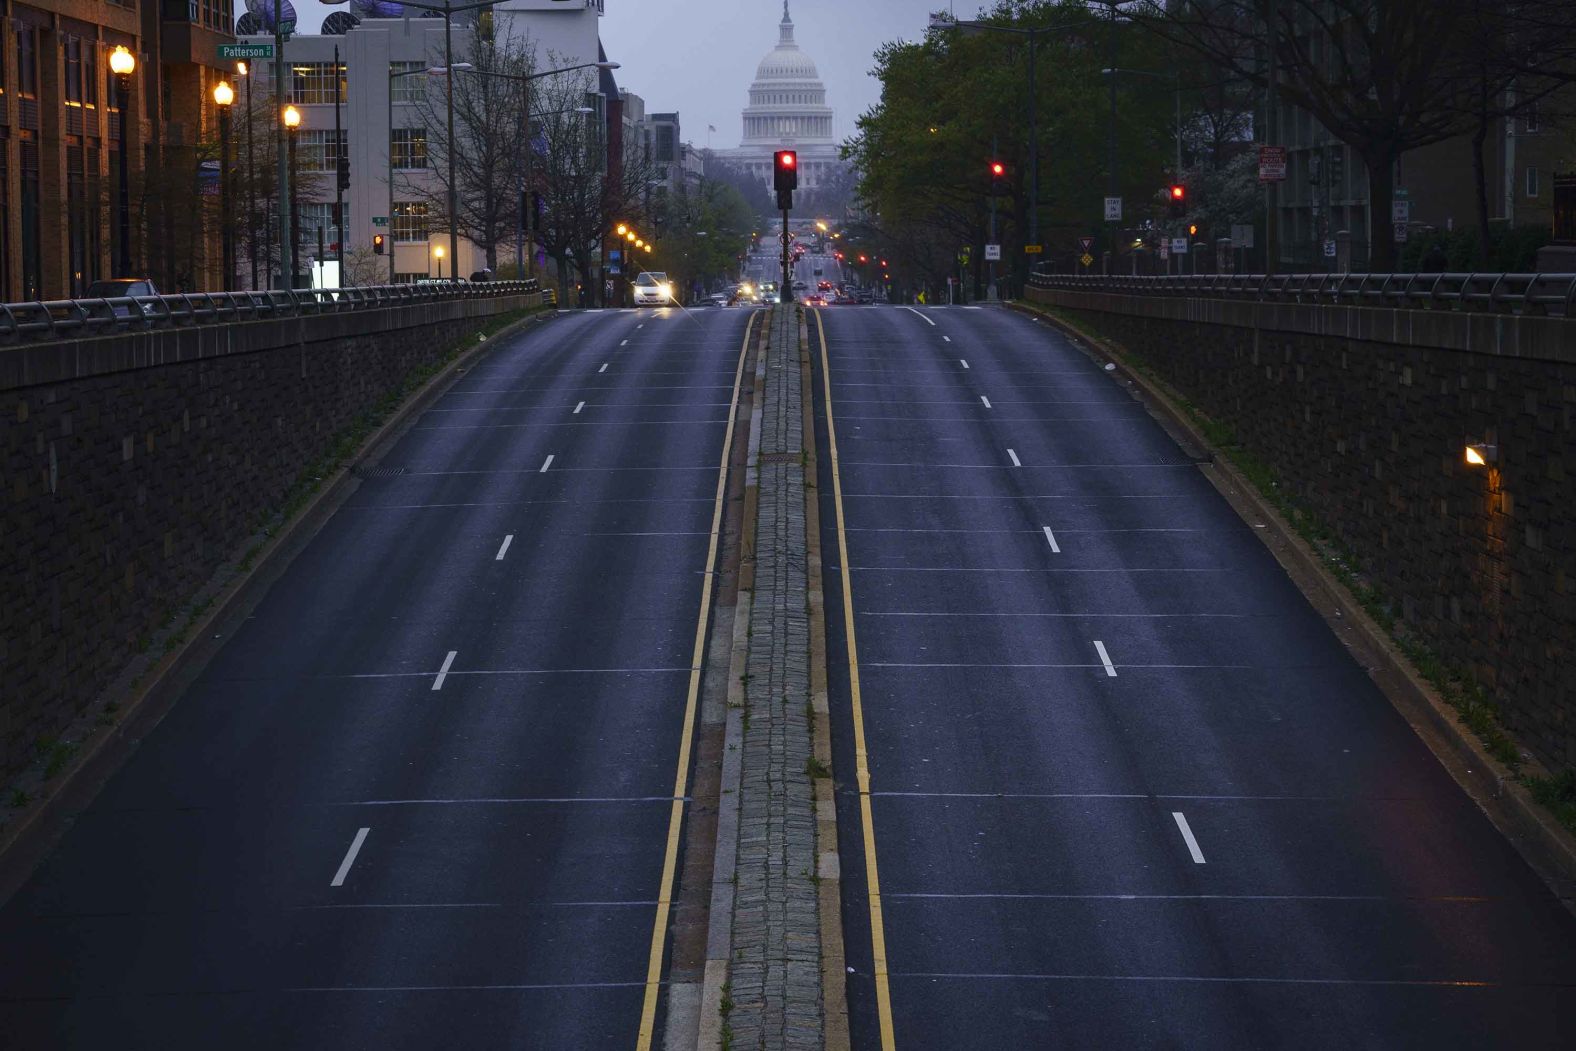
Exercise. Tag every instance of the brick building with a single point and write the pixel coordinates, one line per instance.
(60, 142)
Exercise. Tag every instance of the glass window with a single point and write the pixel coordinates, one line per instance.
(319, 151)
(27, 62)
(409, 146)
(408, 89)
(313, 82)
(1532, 182)
(318, 226)
(409, 222)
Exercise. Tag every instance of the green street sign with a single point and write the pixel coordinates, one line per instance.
(246, 51)
(380, 220)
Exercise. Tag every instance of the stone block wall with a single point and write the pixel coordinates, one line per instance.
(132, 465)
(1364, 413)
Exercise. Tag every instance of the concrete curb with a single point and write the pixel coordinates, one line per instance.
(834, 958)
(26, 841)
(719, 919)
(1545, 844)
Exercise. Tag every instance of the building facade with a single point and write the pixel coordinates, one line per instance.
(61, 143)
(787, 110)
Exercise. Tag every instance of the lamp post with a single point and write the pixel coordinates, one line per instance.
(123, 63)
(223, 97)
(292, 121)
(243, 70)
(437, 253)
(286, 205)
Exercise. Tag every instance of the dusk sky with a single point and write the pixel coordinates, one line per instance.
(699, 56)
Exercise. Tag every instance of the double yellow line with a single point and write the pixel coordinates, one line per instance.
(659, 930)
(861, 759)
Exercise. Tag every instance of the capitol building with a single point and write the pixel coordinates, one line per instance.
(787, 111)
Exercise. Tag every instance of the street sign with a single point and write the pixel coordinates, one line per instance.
(1400, 211)
(1033, 249)
(1242, 235)
(1400, 233)
(1329, 249)
(1085, 244)
(614, 255)
(1086, 259)
(246, 51)
(1179, 246)
(1272, 163)
(380, 220)
(1165, 250)
(992, 252)
(1113, 209)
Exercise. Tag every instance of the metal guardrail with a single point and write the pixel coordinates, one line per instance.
(80, 318)
(1543, 294)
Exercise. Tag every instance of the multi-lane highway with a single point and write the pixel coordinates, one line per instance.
(428, 794)
(1125, 789)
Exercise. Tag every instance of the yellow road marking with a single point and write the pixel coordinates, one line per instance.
(861, 761)
(659, 931)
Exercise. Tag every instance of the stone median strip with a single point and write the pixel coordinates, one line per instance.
(763, 985)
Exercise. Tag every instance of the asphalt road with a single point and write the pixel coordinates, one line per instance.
(1126, 789)
(423, 797)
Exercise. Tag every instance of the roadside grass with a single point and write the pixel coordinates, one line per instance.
(1472, 704)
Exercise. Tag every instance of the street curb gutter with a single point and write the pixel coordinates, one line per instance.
(834, 966)
(719, 920)
(1545, 845)
(24, 844)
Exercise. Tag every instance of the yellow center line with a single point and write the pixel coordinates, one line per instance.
(861, 760)
(659, 930)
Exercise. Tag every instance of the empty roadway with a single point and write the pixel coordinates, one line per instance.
(423, 796)
(1126, 788)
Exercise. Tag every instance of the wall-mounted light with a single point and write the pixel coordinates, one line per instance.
(1480, 454)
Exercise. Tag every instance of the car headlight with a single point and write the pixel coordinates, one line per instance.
(667, 291)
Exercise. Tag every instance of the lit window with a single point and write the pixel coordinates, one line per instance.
(409, 222)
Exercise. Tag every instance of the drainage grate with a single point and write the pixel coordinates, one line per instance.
(363, 471)
(781, 457)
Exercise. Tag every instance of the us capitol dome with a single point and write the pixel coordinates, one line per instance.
(787, 110)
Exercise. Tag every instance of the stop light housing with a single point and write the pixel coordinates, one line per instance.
(785, 169)
(377, 244)
(1192, 230)
(998, 173)
(1176, 199)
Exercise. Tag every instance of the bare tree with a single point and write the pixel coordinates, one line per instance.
(1384, 76)
(585, 190)
(490, 139)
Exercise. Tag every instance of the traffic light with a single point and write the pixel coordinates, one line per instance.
(1192, 229)
(1177, 201)
(344, 172)
(785, 177)
(998, 172)
(377, 244)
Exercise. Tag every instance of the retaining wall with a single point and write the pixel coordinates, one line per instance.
(1363, 413)
(132, 466)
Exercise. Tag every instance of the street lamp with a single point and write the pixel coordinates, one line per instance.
(224, 97)
(123, 63)
(437, 253)
(292, 121)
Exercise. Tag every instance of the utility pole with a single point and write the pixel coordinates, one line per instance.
(341, 179)
(281, 89)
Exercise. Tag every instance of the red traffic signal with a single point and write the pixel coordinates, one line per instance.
(785, 170)
(1178, 193)
(864, 259)
(1176, 201)
(997, 169)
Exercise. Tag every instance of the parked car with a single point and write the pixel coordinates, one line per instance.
(123, 288)
(652, 288)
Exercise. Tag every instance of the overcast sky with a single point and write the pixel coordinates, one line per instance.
(699, 56)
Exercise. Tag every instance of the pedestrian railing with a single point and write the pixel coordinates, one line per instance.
(80, 318)
(1551, 294)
